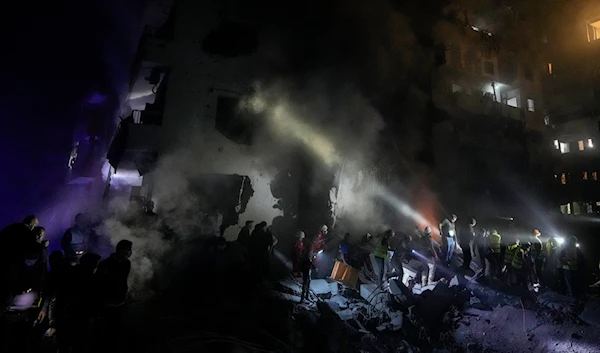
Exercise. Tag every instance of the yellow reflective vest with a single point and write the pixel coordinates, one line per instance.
(569, 259)
(509, 253)
(495, 241)
(381, 250)
(517, 260)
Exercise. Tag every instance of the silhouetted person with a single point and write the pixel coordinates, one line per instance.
(25, 305)
(306, 264)
(261, 241)
(40, 238)
(466, 236)
(56, 291)
(216, 219)
(14, 239)
(76, 239)
(448, 232)
(244, 234)
(112, 274)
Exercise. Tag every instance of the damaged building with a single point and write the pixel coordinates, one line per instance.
(187, 143)
(492, 124)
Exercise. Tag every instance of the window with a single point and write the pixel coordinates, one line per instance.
(581, 145)
(556, 145)
(234, 123)
(546, 121)
(512, 102)
(595, 176)
(590, 143)
(590, 208)
(530, 105)
(593, 30)
(564, 147)
(488, 68)
(456, 88)
(585, 175)
(563, 179)
(550, 68)
(565, 209)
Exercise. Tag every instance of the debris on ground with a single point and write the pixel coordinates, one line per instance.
(591, 313)
(558, 302)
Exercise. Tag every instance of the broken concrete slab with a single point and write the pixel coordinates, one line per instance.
(333, 287)
(557, 302)
(368, 291)
(491, 297)
(320, 286)
(591, 313)
(293, 285)
(454, 282)
(340, 301)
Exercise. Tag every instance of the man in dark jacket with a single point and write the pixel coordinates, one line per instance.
(76, 239)
(466, 236)
(112, 274)
(15, 238)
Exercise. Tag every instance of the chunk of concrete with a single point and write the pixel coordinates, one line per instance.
(340, 301)
(320, 286)
(333, 286)
(454, 282)
(347, 314)
(397, 319)
(557, 302)
(591, 313)
(367, 291)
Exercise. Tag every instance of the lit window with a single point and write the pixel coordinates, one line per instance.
(585, 175)
(530, 105)
(550, 68)
(564, 148)
(593, 30)
(590, 143)
(590, 208)
(556, 145)
(512, 102)
(563, 179)
(546, 121)
(581, 145)
(595, 175)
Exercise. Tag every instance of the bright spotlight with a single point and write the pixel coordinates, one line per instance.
(577, 245)
(560, 240)
(320, 251)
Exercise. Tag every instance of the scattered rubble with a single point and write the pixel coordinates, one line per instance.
(558, 302)
(591, 313)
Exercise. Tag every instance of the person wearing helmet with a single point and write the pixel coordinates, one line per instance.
(520, 265)
(537, 255)
(297, 252)
(571, 262)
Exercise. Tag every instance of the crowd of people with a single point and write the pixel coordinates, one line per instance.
(528, 261)
(67, 301)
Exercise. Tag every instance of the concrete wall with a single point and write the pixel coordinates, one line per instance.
(190, 144)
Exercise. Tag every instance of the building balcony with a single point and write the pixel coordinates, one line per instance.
(135, 146)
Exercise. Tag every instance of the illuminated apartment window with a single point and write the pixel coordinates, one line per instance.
(530, 105)
(564, 147)
(565, 209)
(593, 30)
(581, 145)
(556, 144)
(563, 179)
(590, 143)
(595, 176)
(550, 68)
(585, 175)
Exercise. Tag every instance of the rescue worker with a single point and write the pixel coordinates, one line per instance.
(382, 246)
(481, 244)
(495, 255)
(537, 255)
(448, 232)
(298, 251)
(344, 249)
(520, 265)
(428, 256)
(76, 239)
(570, 260)
(319, 243)
(508, 258)
(466, 237)
(306, 265)
(40, 238)
(550, 262)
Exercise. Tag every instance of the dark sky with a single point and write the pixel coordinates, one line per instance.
(54, 54)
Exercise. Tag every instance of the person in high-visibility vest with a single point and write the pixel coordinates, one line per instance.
(520, 265)
(382, 246)
(495, 243)
(570, 260)
(508, 258)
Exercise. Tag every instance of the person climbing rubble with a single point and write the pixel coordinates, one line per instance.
(428, 257)
(521, 264)
(306, 264)
(537, 256)
(571, 260)
(495, 254)
(448, 231)
(508, 258)
(382, 247)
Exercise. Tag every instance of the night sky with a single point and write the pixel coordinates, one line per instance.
(53, 59)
